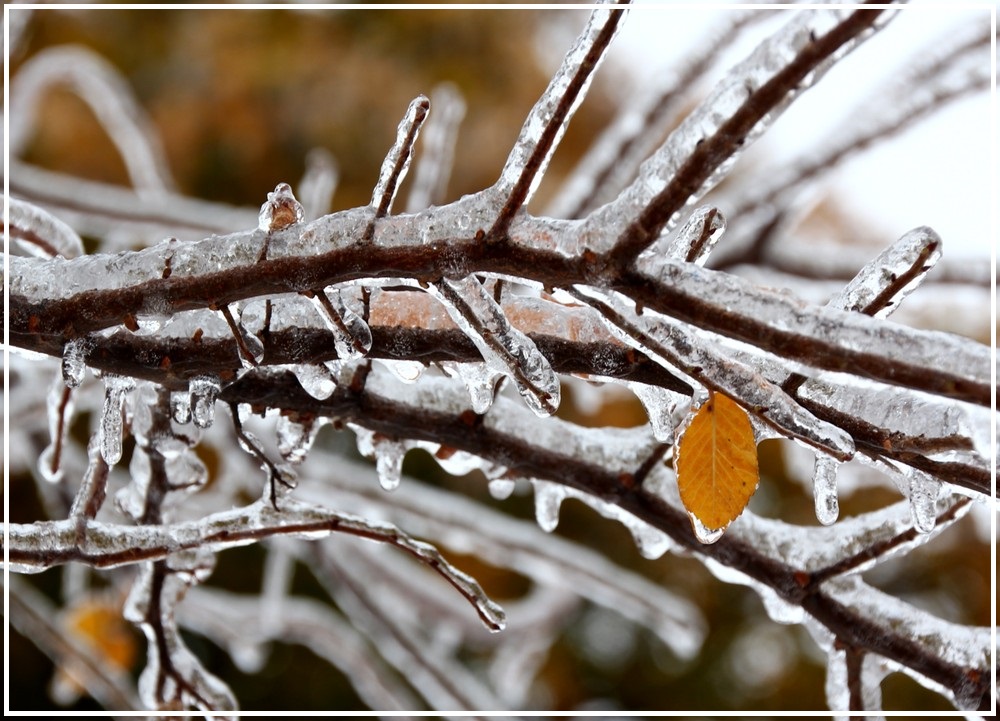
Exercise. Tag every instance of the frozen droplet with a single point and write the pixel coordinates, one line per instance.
(352, 337)
(502, 488)
(704, 534)
(204, 390)
(651, 542)
(548, 499)
(406, 371)
(316, 380)
(295, 438)
(46, 465)
(825, 489)
(115, 388)
(253, 347)
(180, 407)
(73, 362)
(660, 405)
(481, 381)
(923, 501)
(389, 463)
(280, 210)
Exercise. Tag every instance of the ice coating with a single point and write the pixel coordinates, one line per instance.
(909, 259)
(825, 489)
(576, 63)
(505, 349)
(674, 345)
(548, 500)
(295, 438)
(203, 390)
(924, 492)
(73, 362)
(115, 388)
(728, 96)
(280, 210)
(59, 238)
(352, 337)
(693, 242)
(397, 160)
(660, 405)
(703, 533)
(315, 379)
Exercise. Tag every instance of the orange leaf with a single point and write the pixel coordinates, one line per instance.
(716, 463)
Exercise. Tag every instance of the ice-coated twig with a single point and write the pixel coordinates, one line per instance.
(276, 475)
(679, 347)
(397, 161)
(928, 83)
(738, 110)
(250, 348)
(442, 682)
(233, 621)
(173, 675)
(352, 335)
(879, 287)
(613, 159)
(693, 241)
(59, 407)
(102, 87)
(430, 178)
(548, 119)
(503, 346)
(93, 488)
(41, 232)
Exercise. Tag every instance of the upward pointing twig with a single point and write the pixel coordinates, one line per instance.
(547, 121)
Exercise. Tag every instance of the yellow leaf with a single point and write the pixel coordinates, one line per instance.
(716, 463)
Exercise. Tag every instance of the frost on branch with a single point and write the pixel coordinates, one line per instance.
(610, 417)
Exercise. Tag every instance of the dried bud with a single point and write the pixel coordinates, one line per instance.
(280, 210)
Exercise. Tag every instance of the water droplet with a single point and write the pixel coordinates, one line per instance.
(703, 534)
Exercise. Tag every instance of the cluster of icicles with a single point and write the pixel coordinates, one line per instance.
(509, 354)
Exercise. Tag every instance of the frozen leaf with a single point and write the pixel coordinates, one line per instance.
(716, 463)
(280, 210)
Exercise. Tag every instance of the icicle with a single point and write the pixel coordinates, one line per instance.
(825, 489)
(180, 407)
(352, 337)
(48, 235)
(295, 438)
(315, 379)
(694, 241)
(431, 176)
(892, 275)
(548, 499)
(388, 455)
(924, 492)
(504, 348)
(73, 362)
(660, 405)
(203, 390)
(111, 417)
(280, 210)
(481, 382)
(397, 161)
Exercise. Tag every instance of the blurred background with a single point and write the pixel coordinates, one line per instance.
(240, 97)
